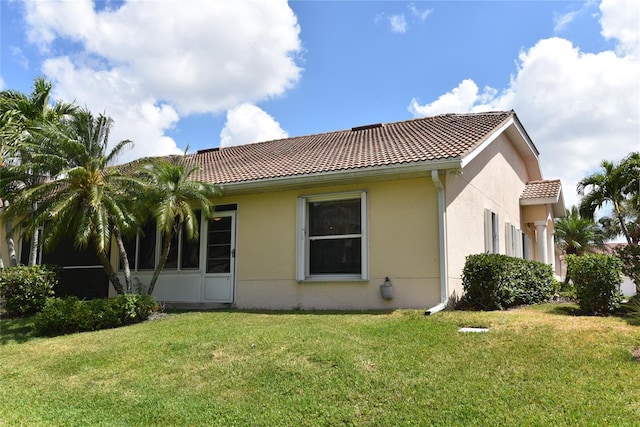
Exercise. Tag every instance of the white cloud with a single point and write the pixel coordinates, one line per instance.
(136, 117)
(149, 65)
(621, 21)
(421, 14)
(247, 124)
(19, 57)
(398, 23)
(2, 85)
(579, 108)
(462, 98)
(562, 21)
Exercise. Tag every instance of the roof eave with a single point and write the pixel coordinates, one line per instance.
(557, 203)
(399, 171)
(514, 129)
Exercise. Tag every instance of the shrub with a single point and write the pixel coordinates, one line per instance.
(24, 290)
(597, 279)
(69, 315)
(630, 256)
(497, 282)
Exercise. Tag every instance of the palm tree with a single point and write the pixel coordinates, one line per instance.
(611, 225)
(26, 113)
(86, 198)
(171, 192)
(576, 235)
(616, 184)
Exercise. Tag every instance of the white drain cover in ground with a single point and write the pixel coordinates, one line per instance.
(473, 330)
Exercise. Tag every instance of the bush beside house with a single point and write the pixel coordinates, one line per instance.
(597, 279)
(498, 282)
(69, 315)
(24, 290)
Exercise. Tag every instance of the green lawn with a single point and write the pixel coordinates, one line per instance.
(538, 366)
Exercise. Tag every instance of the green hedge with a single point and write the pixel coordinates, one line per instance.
(597, 279)
(497, 282)
(69, 315)
(24, 290)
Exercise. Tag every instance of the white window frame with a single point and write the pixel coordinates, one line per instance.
(303, 240)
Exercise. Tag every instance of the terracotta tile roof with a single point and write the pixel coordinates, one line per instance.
(430, 139)
(546, 189)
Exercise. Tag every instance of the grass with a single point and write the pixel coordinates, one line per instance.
(537, 366)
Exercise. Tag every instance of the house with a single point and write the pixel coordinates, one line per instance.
(322, 221)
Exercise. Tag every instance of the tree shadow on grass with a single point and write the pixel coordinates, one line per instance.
(17, 330)
(565, 309)
(627, 313)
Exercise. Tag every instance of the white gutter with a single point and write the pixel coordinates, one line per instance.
(442, 240)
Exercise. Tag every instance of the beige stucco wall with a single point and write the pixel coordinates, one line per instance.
(493, 180)
(4, 253)
(4, 247)
(403, 245)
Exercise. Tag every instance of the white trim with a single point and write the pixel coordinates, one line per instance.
(496, 233)
(301, 232)
(516, 133)
(81, 267)
(302, 238)
(488, 234)
(508, 239)
(475, 152)
(540, 201)
(491, 232)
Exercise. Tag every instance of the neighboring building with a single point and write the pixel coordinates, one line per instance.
(319, 221)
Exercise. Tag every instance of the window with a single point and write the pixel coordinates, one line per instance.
(188, 251)
(332, 237)
(146, 256)
(491, 234)
(219, 245)
(143, 250)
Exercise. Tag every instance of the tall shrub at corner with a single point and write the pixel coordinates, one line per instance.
(597, 279)
(25, 290)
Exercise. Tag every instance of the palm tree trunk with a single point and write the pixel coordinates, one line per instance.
(111, 274)
(33, 252)
(11, 246)
(124, 258)
(161, 262)
(624, 229)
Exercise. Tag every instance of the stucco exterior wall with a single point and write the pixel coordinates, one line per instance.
(493, 180)
(403, 245)
(4, 253)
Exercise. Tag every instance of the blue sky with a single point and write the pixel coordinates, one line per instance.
(202, 73)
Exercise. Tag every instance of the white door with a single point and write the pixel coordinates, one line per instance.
(219, 278)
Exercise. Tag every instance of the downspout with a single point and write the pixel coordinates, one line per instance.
(442, 243)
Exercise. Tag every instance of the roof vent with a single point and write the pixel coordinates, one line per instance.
(208, 150)
(373, 126)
